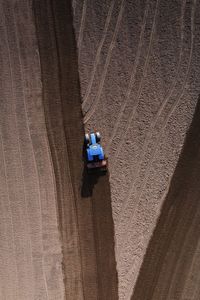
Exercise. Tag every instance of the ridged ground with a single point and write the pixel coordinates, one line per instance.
(65, 235)
(139, 73)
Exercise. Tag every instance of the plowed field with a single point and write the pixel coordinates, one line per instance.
(139, 74)
(130, 69)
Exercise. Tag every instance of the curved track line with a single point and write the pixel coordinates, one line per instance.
(154, 123)
(123, 135)
(174, 106)
(166, 245)
(107, 23)
(90, 112)
(80, 36)
(132, 78)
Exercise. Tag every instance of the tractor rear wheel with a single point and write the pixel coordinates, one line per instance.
(87, 139)
(98, 137)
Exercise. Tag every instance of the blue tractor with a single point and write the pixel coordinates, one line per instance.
(95, 157)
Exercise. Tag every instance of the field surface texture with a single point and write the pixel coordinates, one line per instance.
(130, 69)
(139, 75)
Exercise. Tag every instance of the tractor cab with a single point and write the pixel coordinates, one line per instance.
(95, 157)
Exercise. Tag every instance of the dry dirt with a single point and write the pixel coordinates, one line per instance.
(57, 238)
(30, 249)
(130, 69)
(139, 66)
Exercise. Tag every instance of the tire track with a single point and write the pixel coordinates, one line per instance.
(33, 154)
(197, 288)
(125, 131)
(70, 155)
(154, 123)
(71, 190)
(62, 208)
(74, 3)
(173, 275)
(97, 57)
(6, 178)
(10, 212)
(168, 216)
(176, 217)
(80, 36)
(132, 78)
(19, 148)
(178, 227)
(93, 106)
(174, 106)
(70, 236)
(187, 287)
(95, 226)
(25, 113)
(183, 246)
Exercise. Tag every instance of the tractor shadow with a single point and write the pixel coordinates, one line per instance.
(96, 188)
(89, 180)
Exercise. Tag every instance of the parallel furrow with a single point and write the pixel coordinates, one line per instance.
(59, 176)
(10, 210)
(19, 148)
(132, 79)
(131, 116)
(174, 106)
(97, 57)
(80, 36)
(33, 155)
(150, 131)
(186, 228)
(93, 106)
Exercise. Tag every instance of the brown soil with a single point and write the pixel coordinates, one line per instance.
(170, 269)
(30, 249)
(84, 202)
(139, 73)
(44, 188)
(139, 69)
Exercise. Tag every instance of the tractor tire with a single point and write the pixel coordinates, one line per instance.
(98, 137)
(87, 139)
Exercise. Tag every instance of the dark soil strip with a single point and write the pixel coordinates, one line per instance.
(178, 229)
(85, 214)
